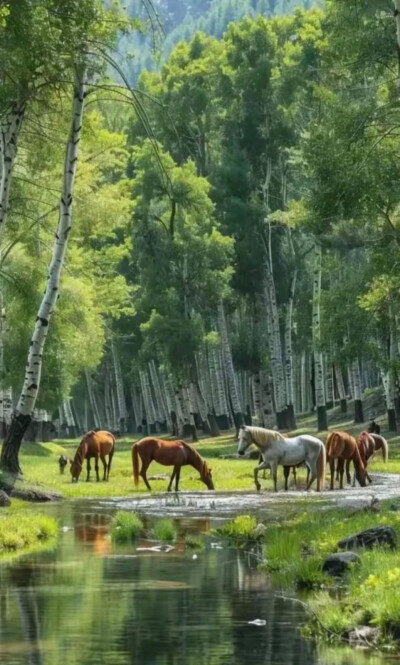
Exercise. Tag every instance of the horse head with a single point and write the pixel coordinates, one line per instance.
(75, 470)
(244, 440)
(207, 477)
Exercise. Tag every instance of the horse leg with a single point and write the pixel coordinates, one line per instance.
(348, 474)
(258, 468)
(295, 476)
(332, 470)
(110, 457)
(274, 474)
(341, 472)
(171, 479)
(312, 466)
(286, 473)
(103, 459)
(96, 466)
(177, 478)
(88, 469)
(145, 466)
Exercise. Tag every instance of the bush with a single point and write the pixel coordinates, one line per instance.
(241, 528)
(164, 530)
(26, 531)
(125, 527)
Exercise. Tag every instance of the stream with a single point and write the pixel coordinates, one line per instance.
(90, 602)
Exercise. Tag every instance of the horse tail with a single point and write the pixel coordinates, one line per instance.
(335, 445)
(135, 464)
(321, 467)
(385, 449)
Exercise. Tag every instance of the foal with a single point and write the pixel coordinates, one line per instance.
(94, 445)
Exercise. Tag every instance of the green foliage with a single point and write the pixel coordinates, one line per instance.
(193, 542)
(125, 527)
(240, 529)
(164, 531)
(21, 532)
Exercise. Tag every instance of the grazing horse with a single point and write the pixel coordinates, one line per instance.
(94, 445)
(341, 446)
(277, 450)
(62, 462)
(368, 445)
(168, 453)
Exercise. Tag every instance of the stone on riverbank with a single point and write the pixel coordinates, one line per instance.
(337, 564)
(363, 636)
(4, 500)
(379, 535)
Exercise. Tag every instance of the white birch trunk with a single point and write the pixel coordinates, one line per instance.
(9, 134)
(289, 365)
(163, 414)
(107, 398)
(256, 389)
(357, 391)
(275, 348)
(147, 399)
(92, 400)
(119, 385)
(267, 404)
(328, 371)
(228, 365)
(340, 382)
(320, 398)
(31, 385)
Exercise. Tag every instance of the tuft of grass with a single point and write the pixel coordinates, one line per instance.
(242, 528)
(164, 530)
(23, 532)
(125, 527)
(193, 542)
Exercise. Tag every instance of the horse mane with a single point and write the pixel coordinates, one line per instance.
(80, 454)
(261, 435)
(198, 460)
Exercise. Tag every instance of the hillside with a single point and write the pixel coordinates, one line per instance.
(179, 19)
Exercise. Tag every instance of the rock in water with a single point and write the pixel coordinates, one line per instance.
(337, 564)
(378, 535)
(260, 530)
(4, 500)
(363, 636)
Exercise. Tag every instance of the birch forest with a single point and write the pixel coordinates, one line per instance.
(198, 222)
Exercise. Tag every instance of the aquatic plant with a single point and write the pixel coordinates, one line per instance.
(241, 528)
(164, 530)
(193, 542)
(125, 527)
(24, 532)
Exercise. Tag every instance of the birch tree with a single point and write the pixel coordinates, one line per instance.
(9, 462)
(316, 334)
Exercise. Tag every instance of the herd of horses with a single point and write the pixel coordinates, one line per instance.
(340, 452)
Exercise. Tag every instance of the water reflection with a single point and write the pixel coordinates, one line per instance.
(91, 604)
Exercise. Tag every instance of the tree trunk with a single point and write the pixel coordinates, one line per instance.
(92, 400)
(119, 385)
(229, 369)
(316, 334)
(148, 402)
(341, 389)
(329, 392)
(218, 390)
(9, 465)
(358, 405)
(289, 364)
(9, 134)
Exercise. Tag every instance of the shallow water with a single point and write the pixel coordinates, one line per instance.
(91, 603)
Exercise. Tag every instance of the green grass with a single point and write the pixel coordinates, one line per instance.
(125, 527)
(240, 529)
(294, 552)
(164, 531)
(22, 532)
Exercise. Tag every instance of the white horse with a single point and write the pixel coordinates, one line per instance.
(276, 450)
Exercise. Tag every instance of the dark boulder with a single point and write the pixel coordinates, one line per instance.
(337, 564)
(378, 535)
(4, 499)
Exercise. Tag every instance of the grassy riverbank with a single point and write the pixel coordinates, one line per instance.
(40, 464)
(23, 531)
(368, 594)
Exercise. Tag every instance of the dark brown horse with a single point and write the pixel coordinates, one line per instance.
(168, 453)
(341, 446)
(368, 444)
(94, 445)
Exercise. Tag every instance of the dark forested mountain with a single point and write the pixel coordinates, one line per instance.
(178, 20)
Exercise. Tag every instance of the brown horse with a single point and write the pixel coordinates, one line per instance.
(168, 453)
(368, 444)
(97, 445)
(341, 446)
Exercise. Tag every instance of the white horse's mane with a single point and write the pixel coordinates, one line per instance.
(261, 435)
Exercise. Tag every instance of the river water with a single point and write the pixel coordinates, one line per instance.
(89, 602)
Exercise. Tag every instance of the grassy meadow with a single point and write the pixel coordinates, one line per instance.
(40, 463)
